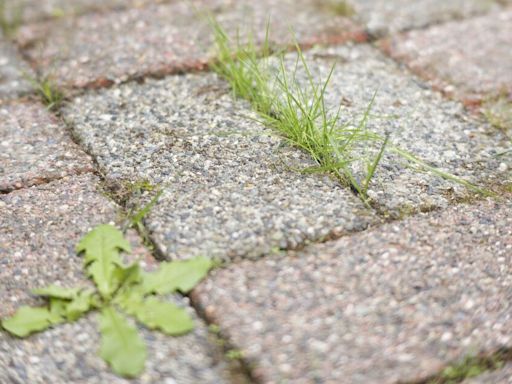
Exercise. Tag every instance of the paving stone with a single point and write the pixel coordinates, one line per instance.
(385, 16)
(481, 66)
(38, 232)
(33, 10)
(13, 70)
(393, 304)
(231, 189)
(35, 147)
(98, 49)
(501, 376)
(418, 119)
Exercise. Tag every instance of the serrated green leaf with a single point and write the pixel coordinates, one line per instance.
(177, 276)
(81, 304)
(121, 345)
(101, 247)
(57, 310)
(27, 320)
(128, 275)
(56, 292)
(167, 317)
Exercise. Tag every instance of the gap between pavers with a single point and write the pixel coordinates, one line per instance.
(231, 189)
(419, 120)
(97, 50)
(391, 16)
(393, 304)
(35, 147)
(500, 376)
(470, 59)
(39, 229)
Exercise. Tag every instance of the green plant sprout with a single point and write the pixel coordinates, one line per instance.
(299, 113)
(119, 288)
(50, 94)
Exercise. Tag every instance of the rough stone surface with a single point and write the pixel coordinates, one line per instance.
(501, 376)
(231, 189)
(418, 119)
(35, 147)
(480, 66)
(33, 10)
(393, 304)
(38, 232)
(98, 49)
(385, 16)
(12, 71)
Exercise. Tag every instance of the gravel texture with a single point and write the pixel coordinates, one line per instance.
(390, 16)
(482, 65)
(38, 232)
(393, 304)
(418, 120)
(12, 71)
(501, 376)
(98, 49)
(35, 147)
(231, 189)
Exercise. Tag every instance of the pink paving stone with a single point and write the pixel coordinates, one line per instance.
(469, 59)
(35, 147)
(99, 49)
(394, 304)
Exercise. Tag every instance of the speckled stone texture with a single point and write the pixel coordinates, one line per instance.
(418, 119)
(468, 59)
(501, 376)
(35, 147)
(393, 304)
(33, 10)
(390, 16)
(98, 49)
(231, 189)
(13, 84)
(38, 232)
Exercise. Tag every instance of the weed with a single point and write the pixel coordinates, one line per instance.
(50, 94)
(468, 367)
(499, 113)
(10, 19)
(298, 113)
(340, 7)
(119, 288)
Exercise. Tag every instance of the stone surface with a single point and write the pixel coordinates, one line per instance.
(482, 65)
(13, 84)
(98, 49)
(501, 376)
(231, 189)
(393, 304)
(418, 120)
(39, 229)
(389, 16)
(33, 10)
(35, 147)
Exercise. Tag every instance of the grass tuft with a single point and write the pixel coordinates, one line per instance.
(298, 112)
(50, 94)
(10, 19)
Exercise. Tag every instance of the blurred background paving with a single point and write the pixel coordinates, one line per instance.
(317, 287)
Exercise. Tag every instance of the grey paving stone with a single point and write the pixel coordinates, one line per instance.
(231, 189)
(418, 119)
(13, 70)
(38, 232)
(35, 147)
(501, 376)
(99, 49)
(393, 304)
(385, 16)
(33, 10)
(480, 66)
